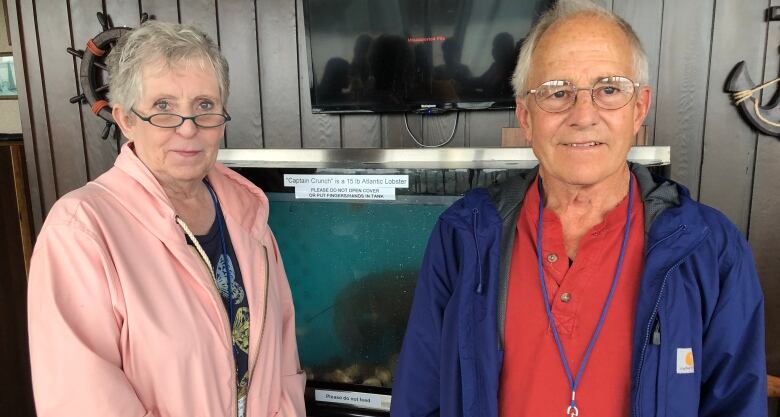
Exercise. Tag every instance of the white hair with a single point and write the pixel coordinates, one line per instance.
(154, 41)
(564, 9)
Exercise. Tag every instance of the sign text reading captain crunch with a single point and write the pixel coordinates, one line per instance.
(346, 187)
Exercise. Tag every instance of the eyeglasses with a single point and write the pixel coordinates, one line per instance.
(171, 120)
(609, 93)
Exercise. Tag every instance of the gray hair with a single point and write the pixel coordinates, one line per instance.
(564, 9)
(152, 41)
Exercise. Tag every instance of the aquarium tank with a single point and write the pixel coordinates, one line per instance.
(352, 268)
(352, 259)
(352, 226)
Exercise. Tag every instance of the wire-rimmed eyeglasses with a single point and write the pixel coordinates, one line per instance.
(171, 120)
(609, 93)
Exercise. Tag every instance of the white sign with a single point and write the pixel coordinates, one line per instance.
(346, 187)
(357, 399)
(345, 193)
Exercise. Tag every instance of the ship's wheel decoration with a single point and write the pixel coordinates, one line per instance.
(747, 97)
(93, 72)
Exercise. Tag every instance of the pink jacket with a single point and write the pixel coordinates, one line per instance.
(125, 320)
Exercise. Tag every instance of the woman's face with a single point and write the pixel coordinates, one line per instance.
(183, 155)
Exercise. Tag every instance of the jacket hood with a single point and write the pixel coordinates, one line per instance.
(135, 185)
(657, 193)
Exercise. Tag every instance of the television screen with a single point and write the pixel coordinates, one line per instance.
(415, 55)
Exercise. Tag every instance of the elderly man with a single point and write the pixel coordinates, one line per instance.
(587, 287)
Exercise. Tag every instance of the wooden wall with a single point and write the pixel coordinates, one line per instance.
(16, 397)
(692, 47)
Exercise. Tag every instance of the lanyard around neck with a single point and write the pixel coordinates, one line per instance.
(230, 272)
(225, 256)
(572, 410)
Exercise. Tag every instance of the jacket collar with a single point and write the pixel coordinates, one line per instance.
(658, 194)
(508, 196)
(248, 206)
(140, 192)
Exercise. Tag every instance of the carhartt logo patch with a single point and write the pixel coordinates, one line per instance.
(684, 360)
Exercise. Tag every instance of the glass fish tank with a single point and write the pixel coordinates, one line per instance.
(352, 227)
(352, 268)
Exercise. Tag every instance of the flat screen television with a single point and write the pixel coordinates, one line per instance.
(414, 55)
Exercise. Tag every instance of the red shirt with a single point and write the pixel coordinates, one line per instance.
(533, 380)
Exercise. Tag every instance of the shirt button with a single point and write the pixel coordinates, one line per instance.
(552, 258)
(565, 297)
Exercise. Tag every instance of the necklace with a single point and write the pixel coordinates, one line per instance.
(572, 410)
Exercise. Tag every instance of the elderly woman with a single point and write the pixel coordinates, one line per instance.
(158, 289)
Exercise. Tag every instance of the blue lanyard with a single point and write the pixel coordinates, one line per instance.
(228, 271)
(572, 410)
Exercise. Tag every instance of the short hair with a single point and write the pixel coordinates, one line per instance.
(564, 9)
(153, 41)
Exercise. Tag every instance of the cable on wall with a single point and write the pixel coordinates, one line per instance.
(422, 145)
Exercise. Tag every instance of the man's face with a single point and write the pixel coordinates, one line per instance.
(584, 145)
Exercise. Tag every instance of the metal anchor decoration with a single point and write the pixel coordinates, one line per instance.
(93, 71)
(764, 118)
(743, 91)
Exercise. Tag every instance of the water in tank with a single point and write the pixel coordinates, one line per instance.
(353, 265)
(352, 268)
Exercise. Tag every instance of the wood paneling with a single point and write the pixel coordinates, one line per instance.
(729, 148)
(122, 12)
(127, 14)
(764, 238)
(682, 85)
(317, 130)
(691, 46)
(484, 127)
(361, 131)
(163, 10)
(238, 34)
(765, 208)
(16, 398)
(32, 111)
(29, 57)
(394, 134)
(84, 26)
(201, 13)
(644, 17)
(438, 128)
(278, 43)
(774, 387)
(62, 118)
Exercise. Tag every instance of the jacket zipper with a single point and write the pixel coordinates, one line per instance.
(475, 212)
(653, 318)
(215, 291)
(657, 331)
(650, 328)
(262, 331)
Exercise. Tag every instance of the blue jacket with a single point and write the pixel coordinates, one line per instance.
(699, 290)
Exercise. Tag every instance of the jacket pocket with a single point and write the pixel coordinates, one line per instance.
(660, 341)
(290, 401)
(662, 373)
(650, 398)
